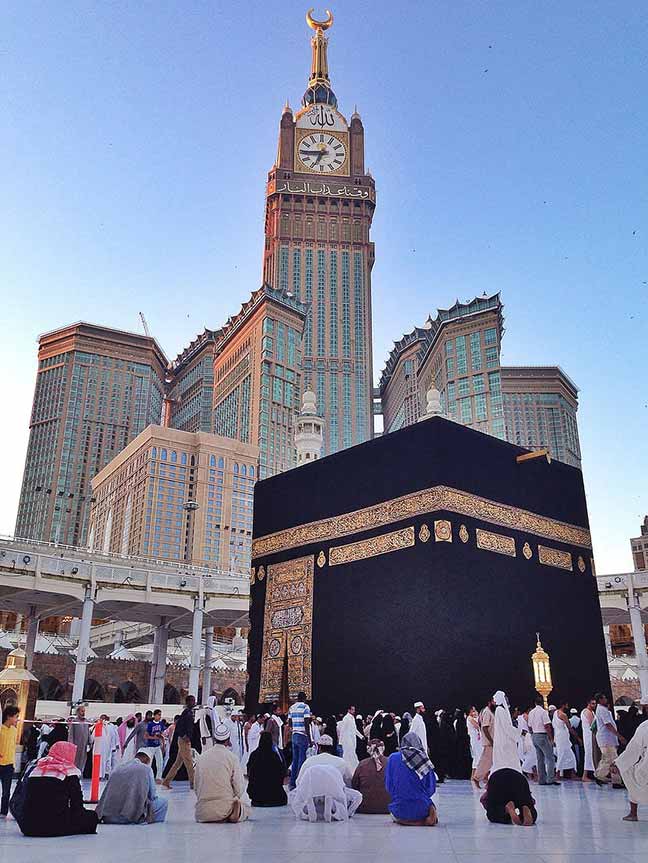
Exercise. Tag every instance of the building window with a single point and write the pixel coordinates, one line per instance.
(490, 336)
(491, 358)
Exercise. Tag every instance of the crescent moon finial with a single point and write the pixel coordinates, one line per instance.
(319, 25)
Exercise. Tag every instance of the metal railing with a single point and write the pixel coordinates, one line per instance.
(152, 562)
(27, 556)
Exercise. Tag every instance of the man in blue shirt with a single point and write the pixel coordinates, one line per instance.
(299, 717)
(153, 738)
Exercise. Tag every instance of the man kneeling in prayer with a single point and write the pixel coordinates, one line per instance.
(130, 796)
(219, 782)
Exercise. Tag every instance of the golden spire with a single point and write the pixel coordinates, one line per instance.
(319, 85)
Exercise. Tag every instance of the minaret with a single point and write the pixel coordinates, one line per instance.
(309, 430)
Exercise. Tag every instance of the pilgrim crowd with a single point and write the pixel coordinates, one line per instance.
(323, 768)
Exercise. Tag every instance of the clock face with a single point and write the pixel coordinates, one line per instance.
(321, 153)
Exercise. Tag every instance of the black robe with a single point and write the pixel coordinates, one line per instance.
(266, 774)
(361, 742)
(54, 807)
(434, 746)
(389, 735)
(462, 760)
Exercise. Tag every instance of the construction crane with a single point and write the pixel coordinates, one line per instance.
(144, 324)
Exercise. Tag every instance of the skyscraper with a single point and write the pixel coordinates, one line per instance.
(319, 208)
(458, 352)
(190, 388)
(96, 389)
(540, 406)
(257, 376)
(178, 496)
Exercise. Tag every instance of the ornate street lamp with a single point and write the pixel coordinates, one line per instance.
(542, 671)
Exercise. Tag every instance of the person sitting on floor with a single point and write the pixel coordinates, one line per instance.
(326, 755)
(321, 795)
(53, 803)
(411, 782)
(219, 782)
(508, 800)
(130, 796)
(369, 780)
(266, 773)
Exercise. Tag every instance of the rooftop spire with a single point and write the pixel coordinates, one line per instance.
(319, 86)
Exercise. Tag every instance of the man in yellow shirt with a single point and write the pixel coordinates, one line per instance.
(8, 734)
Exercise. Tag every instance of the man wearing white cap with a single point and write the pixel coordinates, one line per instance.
(219, 782)
(418, 724)
(327, 757)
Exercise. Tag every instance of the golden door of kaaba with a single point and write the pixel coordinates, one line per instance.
(288, 628)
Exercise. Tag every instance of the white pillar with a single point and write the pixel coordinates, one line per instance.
(154, 662)
(84, 645)
(639, 638)
(207, 671)
(30, 640)
(196, 644)
(608, 639)
(160, 666)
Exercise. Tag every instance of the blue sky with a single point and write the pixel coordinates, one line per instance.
(508, 141)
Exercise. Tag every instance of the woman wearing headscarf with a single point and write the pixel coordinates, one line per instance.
(462, 760)
(406, 723)
(369, 780)
(376, 732)
(411, 783)
(266, 774)
(389, 736)
(361, 742)
(447, 741)
(53, 803)
(505, 737)
(330, 728)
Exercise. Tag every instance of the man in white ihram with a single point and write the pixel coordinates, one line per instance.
(348, 736)
(418, 724)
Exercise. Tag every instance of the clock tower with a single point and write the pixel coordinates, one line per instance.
(319, 207)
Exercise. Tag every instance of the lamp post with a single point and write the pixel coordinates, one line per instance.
(542, 671)
(190, 507)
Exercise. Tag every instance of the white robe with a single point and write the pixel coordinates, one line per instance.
(476, 745)
(586, 730)
(109, 746)
(254, 735)
(565, 758)
(505, 740)
(418, 727)
(348, 735)
(526, 749)
(633, 765)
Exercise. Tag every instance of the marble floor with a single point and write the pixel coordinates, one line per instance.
(577, 824)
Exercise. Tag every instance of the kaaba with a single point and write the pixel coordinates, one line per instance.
(420, 566)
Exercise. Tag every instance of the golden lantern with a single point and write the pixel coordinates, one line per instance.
(542, 671)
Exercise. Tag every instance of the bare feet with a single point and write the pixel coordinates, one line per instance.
(433, 819)
(527, 817)
(166, 785)
(512, 813)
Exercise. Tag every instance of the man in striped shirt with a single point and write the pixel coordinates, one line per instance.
(299, 717)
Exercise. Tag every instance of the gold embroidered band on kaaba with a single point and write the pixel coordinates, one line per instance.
(365, 548)
(420, 503)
